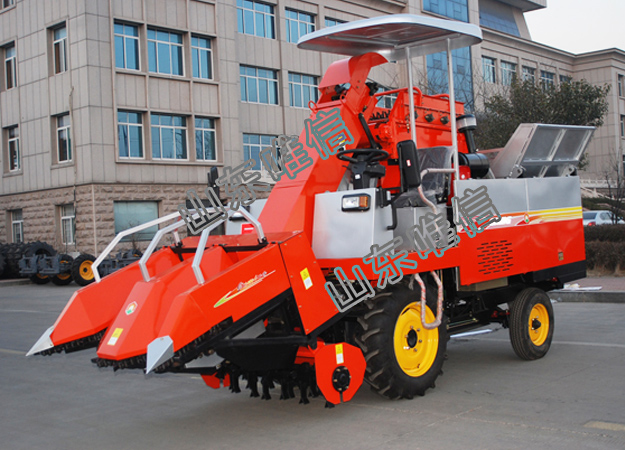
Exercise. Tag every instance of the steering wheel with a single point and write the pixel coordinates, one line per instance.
(360, 155)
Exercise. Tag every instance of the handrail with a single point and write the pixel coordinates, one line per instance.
(123, 234)
(174, 228)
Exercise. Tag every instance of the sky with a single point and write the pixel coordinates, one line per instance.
(579, 26)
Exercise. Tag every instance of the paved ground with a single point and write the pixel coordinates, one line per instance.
(487, 398)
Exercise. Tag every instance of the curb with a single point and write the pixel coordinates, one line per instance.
(588, 296)
(15, 282)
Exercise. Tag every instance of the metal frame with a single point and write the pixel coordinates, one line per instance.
(173, 228)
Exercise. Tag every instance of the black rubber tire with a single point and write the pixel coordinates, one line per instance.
(14, 253)
(63, 279)
(79, 276)
(520, 310)
(39, 248)
(376, 340)
(2, 263)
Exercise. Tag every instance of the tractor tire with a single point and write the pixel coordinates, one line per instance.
(64, 278)
(531, 324)
(2, 263)
(14, 253)
(403, 358)
(39, 248)
(81, 269)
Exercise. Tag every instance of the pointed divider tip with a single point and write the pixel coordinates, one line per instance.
(44, 343)
(159, 350)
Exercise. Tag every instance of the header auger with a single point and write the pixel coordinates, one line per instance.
(397, 234)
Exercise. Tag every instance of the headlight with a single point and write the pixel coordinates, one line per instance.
(356, 202)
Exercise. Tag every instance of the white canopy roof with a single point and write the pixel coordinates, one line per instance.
(390, 35)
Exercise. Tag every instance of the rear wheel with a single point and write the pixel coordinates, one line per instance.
(403, 357)
(82, 272)
(66, 277)
(531, 324)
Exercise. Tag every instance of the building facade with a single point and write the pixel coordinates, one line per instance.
(111, 110)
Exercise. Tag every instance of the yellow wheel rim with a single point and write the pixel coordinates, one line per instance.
(43, 277)
(415, 346)
(539, 324)
(63, 276)
(85, 270)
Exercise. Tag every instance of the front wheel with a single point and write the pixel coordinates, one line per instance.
(403, 357)
(82, 273)
(531, 324)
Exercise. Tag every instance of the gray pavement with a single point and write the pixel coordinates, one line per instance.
(487, 398)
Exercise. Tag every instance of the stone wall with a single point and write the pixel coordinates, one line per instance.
(95, 220)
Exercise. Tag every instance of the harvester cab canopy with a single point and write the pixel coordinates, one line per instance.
(396, 37)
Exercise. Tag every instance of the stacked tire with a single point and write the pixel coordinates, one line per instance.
(11, 255)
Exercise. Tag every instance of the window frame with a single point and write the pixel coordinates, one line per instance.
(201, 129)
(622, 126)
(313, 89)
(125, 37)
(529, 73)
(299, 23)
(508, 72)
(431, 9)
(10, 74)
(61, 64)
(127, 125)
(620, 81)
(547, 83)
(252, 146)
(68, 129)
(258, 78)
(171, 44)
(208, 50)
(241, 22)
(64, 217)
(145, 235)
(492, 69)
(160, 127)
(7, 4)
(20, 225)
(16, 141)
(331, 19)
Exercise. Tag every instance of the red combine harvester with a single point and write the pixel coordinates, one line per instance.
(295, 303)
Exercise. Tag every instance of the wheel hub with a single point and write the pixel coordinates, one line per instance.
(415, 347)
(411, 338)
(538, 324)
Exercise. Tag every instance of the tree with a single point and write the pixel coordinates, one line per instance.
(616, 189)
(570, 103)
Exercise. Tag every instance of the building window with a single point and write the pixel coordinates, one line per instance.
(489, 69)
(202, 57)
(438, 80)
(500, 19)
(454, 9)
(169, 137)
(508, 73)
(7, 3)
(529, 73)
(59, 47)
(63, 139)
(256, 18)
(621, 85)
(565, 79)
(68, 221)
(623, 126)
(259, 85)
(547, 79)
(126, 46)
(387, 100)
(13, 141)
(10, 66)
(298, 24)
(131, 214)
(302, 89)
(253, 144)
(205, 139)
(165, 52)
(17, 226)
(130, 130)
(333, 22)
